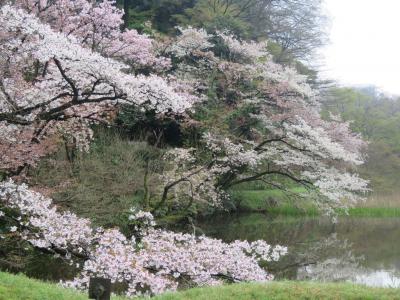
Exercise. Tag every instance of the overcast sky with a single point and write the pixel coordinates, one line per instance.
(364, 43)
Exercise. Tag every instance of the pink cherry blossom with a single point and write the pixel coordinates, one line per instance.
(153, 266)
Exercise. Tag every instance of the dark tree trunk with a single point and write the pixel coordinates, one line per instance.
(127, 6)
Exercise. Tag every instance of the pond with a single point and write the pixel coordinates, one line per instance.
(360, 250)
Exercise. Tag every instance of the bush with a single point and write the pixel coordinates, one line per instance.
(105, 183)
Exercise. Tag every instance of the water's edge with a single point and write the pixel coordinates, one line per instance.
(359, 250)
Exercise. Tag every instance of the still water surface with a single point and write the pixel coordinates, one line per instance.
(359, 250)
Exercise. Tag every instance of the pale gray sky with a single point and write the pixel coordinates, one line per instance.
(365, 43)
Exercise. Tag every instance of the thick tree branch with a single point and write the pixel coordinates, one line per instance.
(280, 173)
(67, 79)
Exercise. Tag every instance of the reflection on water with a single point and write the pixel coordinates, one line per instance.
(379, 278)
(360, 250)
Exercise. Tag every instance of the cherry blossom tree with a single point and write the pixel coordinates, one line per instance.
(51, 81)
(285, 136)
(151, 262)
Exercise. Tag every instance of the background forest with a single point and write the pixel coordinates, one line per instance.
(376, 116)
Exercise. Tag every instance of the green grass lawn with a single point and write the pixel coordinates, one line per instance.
(19, 287)
(255, 201)
(374, 212)
(285, 290)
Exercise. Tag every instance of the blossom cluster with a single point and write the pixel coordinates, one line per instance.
(286, 138)
(140, 221)
(96, 25)
(41, 224)
(248, 50)
(189, 41)
(75, 85)
(189, 181)
(86, 68)
(157, 264)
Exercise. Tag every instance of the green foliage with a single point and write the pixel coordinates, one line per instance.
(104, 183)
(279, 55)
(159, 12)
(377, 118)
(279, 203)
(215, 15)
(147, 126)
(277, 21)
(274, 201)
(374, 212)
(139, 19)
(240, 122)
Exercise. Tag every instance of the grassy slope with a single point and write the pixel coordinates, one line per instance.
(284, 291)
(19, 287)
(255, 201)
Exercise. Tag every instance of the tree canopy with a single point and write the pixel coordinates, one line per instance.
(297, 27)
(376, 117)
